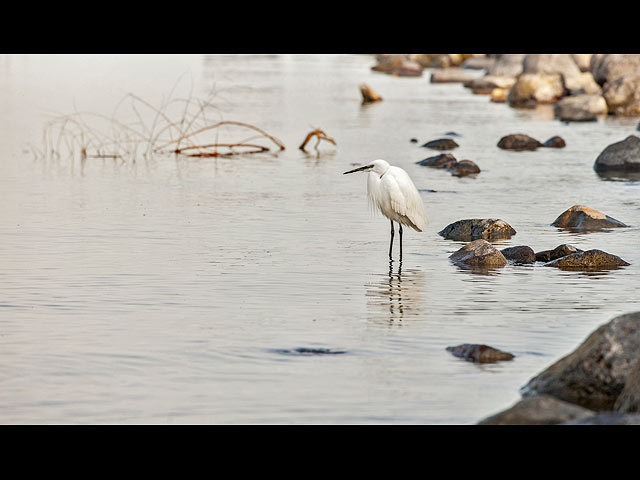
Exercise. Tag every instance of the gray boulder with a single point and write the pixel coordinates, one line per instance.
(519, 254)
(452, 75)
(477, 228)
(629, 399)
(479, 353)
(608, 418)
(620, 156)
(441, 144)
(594, 374)
(479, 253)
(558, 252)
(562, 64)
(608, 67)
(589, 260)
(623, 95)
(444, 160)
(507, 65)
(582, 218)
(539, 410)
(580, 108)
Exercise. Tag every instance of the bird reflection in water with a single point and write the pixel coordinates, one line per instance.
(396, 296)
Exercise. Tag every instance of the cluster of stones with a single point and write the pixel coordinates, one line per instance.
(447, 161)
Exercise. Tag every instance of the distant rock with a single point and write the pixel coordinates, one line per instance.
(608, 67)
(629, 399)
(539, 410)
(478, 62)
(519, 254)
(608, 418)
(479, 253)
(552, 64)
(539, 88)
(452, 75)
(489, 82)
(519, 142)
(580, 217)
(368, 95)
(464, 168)
(414, 140)
(623, 95)
(507, 65)
(480, 353)
(594, 374)
(478, 228)
(588, 260)
(499, 95)
(400, 65)
(558, 252)
(441, 144)
(583, 60)
(620, 156)
(580, 108)
(555, 142)
(584, 83)
(444, 160)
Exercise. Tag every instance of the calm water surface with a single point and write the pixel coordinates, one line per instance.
(186, 290)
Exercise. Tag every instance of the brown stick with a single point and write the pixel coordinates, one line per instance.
(320, 136)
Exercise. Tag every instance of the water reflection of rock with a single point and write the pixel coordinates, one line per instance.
(398, 294)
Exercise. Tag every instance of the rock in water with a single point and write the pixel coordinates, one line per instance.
(620, 156)
(368, 95)
(479, 253)
(608, 418)
(629, 399)
(441, 144)
(589, 260)
(583, 218)
(452, 75)
(519, 142)
(464, 168)
(555, 142)
(539, 410)
(519, 254)
(594, 374)
(480, 353)
(444, 160)
(477, 228)
(558, 252)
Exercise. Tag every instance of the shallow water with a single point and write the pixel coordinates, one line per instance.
(257, 289)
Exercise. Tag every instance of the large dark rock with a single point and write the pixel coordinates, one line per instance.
(464, 168)
(608, 418)
(519, 142)
(519, 254)
(595, 373)
(583, 218)
(555, 142)
(620, 156)
(479, 253)
(479, 353)
(441, 144)
(589, 260)
(444, 160)
(629, 399)
(539, 410)
(558, 252)
(476, 228)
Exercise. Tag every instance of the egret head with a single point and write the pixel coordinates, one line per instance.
(379, 166)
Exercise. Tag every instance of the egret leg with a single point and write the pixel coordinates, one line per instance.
(391, 243)
(400, 229)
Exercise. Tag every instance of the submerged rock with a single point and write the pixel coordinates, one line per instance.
(555, 142)
(480, 353)
(558, 252)
(479, 253)
(582, 218)
(539, 410)
(519, 254)
(620, 156)
(464, 168)
(477, 228)
(594, 374)
(519, 142)
(591, 259)
(441, 144)
(444, 160)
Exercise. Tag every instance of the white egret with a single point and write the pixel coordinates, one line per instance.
(391, 190)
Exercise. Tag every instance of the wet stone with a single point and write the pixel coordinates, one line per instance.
(519, 142)
(591, 259)
(441, 144)
(479, 353)
(558, 252)
(555, 142)
(444, 160)
(464, 168)
(476, 228)
(479, 253)
(519, 254)
(582, 218)
(539, 410)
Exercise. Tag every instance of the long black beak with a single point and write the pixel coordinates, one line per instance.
(366, 167)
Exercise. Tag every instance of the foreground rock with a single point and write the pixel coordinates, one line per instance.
(608, 418)
(582, 218)
(539, 410)
(452, 75)
(629, 399)
(591, 259)
(558, 252)
(479, 253)
(368, 95)
(480, 353)
(580, 108)
(464, 168)
(519, 254)
(533, 88)
(594, 375)
(441, 144)
(519, 142)
(444, 160)
(623, 156)
(478, 228)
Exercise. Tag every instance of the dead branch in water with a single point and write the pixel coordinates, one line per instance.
(320, 135)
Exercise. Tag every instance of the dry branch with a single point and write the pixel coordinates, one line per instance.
(320, 135)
